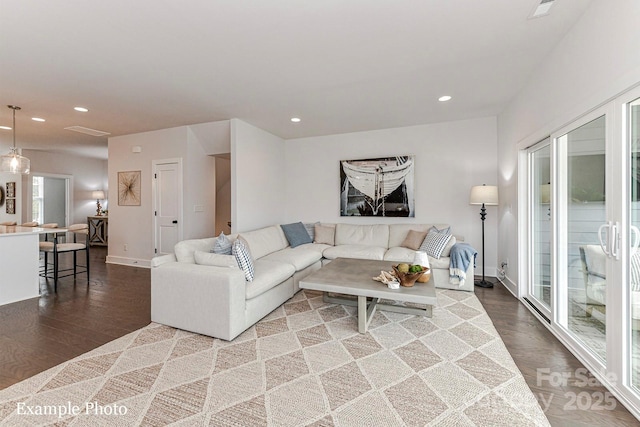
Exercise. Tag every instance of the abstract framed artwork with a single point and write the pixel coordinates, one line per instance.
(377, 187)
(11, 189)
(11, 206)
(129, 188)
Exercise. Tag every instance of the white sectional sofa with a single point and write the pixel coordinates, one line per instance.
(220, 302)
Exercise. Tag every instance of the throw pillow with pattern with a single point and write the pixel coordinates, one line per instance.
(222, 245)
(244, 259)
(435, 243)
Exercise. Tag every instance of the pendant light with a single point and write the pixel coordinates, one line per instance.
(14, 162)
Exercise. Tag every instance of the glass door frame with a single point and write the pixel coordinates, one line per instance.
(620, 296)
(530, 218)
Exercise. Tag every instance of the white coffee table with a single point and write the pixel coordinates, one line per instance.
(348, 276)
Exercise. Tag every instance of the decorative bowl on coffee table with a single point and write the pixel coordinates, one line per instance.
(409, 279)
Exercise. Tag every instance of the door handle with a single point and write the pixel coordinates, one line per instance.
(604, 242)
(614, 235)
(175, 221)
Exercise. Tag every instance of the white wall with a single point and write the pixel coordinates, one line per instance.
(133, 225)
(450, 158)
(88, 174)
(595, 61)
(257, 177)
(199, 189)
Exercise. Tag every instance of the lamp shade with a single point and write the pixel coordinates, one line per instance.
(14, 163)
(484, 194)
(98, 194)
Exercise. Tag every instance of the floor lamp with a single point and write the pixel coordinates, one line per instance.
(485, 195)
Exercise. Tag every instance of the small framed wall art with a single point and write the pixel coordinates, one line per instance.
(129, 188)
(11, 189)
(11, 206)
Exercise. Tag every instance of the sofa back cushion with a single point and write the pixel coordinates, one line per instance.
(185, 249)
(265, 240)
(369, 235)
(399, 232)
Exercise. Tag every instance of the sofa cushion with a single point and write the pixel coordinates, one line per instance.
(414, 239)
(215, 260)
(355, 251)
(222, 245)
(398, 232)
(447, 249)
(366, 235)
(296, 234)
(268, 274)
(185, 249)
(400, 254)
(300, 257)
(243, 258)
(265, 241)
(435, 243)
(325, 234)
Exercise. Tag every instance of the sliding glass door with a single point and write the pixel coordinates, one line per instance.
(582, 227)
(582, 248)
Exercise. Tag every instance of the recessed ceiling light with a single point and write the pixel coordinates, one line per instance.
(5, 127)
(444, 98)
(81, 109)
(295, 119)
(38, 119)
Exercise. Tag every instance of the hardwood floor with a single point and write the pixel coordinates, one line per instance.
(534, 348)
(40, 333)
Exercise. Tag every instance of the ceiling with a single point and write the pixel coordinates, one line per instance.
(339, 65)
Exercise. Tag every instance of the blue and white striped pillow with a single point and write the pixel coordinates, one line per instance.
(222, 245)
(434, 243)
(244, 259)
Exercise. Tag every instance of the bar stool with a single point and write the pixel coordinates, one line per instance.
(9, 223)
(46, 247)
(29, 224)
(80, 232)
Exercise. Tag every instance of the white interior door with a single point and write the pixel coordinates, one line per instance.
(167, 179)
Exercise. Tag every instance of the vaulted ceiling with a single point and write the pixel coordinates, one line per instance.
(339, 65)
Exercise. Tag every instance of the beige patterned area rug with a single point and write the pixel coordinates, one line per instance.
(304, 364)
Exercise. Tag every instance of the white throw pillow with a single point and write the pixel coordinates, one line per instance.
(215, 260)
(325, 234)
(435, 243)
(243, 258)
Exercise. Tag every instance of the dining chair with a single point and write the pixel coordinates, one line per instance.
(80, 243)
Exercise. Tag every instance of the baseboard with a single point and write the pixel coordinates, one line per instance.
(510, 286)
(131, 262)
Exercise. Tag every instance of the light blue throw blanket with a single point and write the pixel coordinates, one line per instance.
(461, 256)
